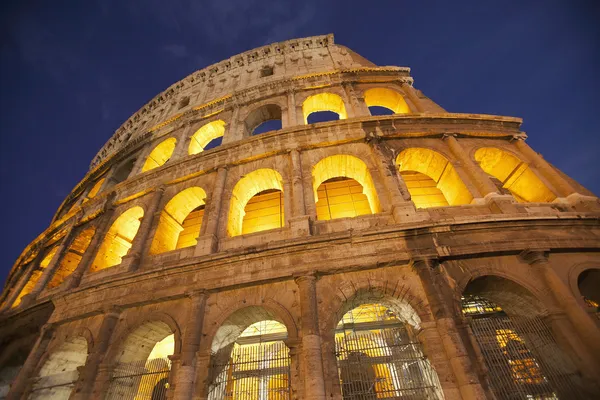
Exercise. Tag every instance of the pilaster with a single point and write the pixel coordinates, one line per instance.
(208, 241)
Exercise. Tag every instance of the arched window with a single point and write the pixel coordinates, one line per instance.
(588, 283)
(264, 119)
(123, 171)
(72, 257)
(383, 98)
(143, 365)
(59, 373)
(118, 239)
(94, 190)
(379, 356)
(514, 175)
(160, 154)
(180, 221)
(248, 215)
(206, 137)
(35, 275)
(343, 187)
(250, 359)
(323, 102)
(432, 181)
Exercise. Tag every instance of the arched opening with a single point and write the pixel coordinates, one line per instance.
(521, 354)
(94, 190)
(123, 171)
(160, 154)
(118, 239)
(379, 356)
(142, 367)
(431, 179)
(343, 187)
(380, 99)
(588, 283)
(248, 214)
(249, 358)
(513, 175)
(72, 257)
(35, 275)
(12, 359)
(205, 138)
(58, 375)
(264, 119)
(324, 102)
(180, 221)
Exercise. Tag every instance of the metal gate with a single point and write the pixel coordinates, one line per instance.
(56, 386)
(259, 371)
(384, 364)
(140, 380)
(521, 354)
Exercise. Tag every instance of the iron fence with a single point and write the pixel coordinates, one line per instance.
(56, 386)
(140, 380)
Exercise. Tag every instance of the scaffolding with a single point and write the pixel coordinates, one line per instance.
(140, 380)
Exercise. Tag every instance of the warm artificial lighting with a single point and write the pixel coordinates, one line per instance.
(205, 135)
(160, 154)
(72, 257)
(324, 102)
(341, 198)
(35, 276)
(387, 98)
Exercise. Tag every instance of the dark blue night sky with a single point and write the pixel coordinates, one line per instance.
(72, 71)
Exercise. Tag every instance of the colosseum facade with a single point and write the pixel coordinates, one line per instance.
(296, 222)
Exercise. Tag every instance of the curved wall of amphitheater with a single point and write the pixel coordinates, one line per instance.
(416, 253)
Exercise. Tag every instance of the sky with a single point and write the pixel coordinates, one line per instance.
(71, 72)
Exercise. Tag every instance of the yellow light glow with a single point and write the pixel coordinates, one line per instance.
(346, 166)
(436, 167)
(160, 154)
(515, 175)
(173, 218)
(205, 135)
(35, 276)
(387, 98)
(341, 198)
(264, 211)
(523, 366)
(324, 102)
(118, 239)
(164, 348)
(423, 190)
(95, 189)
(72, 257)
(250, 185)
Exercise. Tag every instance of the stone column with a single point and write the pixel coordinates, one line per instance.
(412, 96)
(295, 368)
(299, 221)
(202, 374)
(233, 133)
(19, 385)
(314, 385)
(356, 106)
(456, 353)
(139, 245)
(184, 379)
(183, 142)
(208, 241)
(291, 110)
(91, 382)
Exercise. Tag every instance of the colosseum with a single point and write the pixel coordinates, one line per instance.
(296, 222)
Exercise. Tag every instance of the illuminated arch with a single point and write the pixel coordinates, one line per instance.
(118, 239)
(441, 184)
(514, 175)
(180, 221)
(250, 185)
(35, 276)
(255, 120)
(72, 257)
(346, 166)
(205, 135)
(324, 102)
(94, 190)
(160, 154)
(387, 98)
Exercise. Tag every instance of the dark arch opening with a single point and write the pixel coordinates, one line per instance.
(589, 286)
(123, 171)
(380, 110)
(264, 119)
(322, 116)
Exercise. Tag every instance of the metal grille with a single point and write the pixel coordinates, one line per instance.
(140, 380)
(57, 386)
(384, 364)
(259, 371)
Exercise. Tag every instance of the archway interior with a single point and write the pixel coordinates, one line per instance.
(250, 359)
(521, 354)
(35, 275)
(118, 239)
(323, 102)
(180, 221)
(348, 180)
(160, 154)
(57, 377)
(264, 119)
(379, 356)
(203, 137)
(11, 363)
(431, 180)
(72, 257)
(123, 171)
(588, 283)
(94, 190)
(386, 98)
(263, 210)
(514, 175)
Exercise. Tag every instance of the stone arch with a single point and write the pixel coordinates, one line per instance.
(325, 101)
(36, 275)
(206, 134)
(94, 190)
(513, 174)
(122, 171)
(118, 239)
(431, 178)
(250, 185)
(72, 257)
(261, 115)
(584, 280)
(346, 166)
(160, 154)
(173, 231)
(388, 98)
